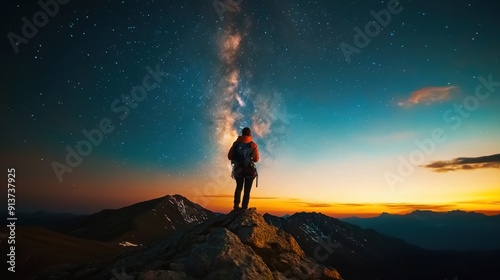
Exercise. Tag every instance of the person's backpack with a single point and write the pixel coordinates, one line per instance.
(243, 165)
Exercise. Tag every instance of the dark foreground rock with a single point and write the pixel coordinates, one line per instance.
(239, 245)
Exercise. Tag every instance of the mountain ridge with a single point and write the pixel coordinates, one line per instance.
(452, 230)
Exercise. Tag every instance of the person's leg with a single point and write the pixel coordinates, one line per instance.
(246, 194)
(237, 191)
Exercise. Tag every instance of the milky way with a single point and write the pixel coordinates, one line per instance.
(236, 103)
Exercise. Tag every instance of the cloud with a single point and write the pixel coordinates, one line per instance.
(309, 204)
(480, 201)
(232, 196)
(428, 95)
(465, 163)
(413, 207)
(374, 207)
(399, 206)
(316, 205)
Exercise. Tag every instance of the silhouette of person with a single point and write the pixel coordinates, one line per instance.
(244, 177)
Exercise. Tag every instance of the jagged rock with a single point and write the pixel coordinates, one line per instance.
(253, 230)
(279, 250)
(221, 255)
(238, 245)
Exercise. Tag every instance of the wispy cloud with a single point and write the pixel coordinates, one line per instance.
(316, 205)
(413, 207)
(391, 206)
(465, 163)
(232, 196)
(399, 206)
(309, 204)
(481, 201)
(428, 95)
(337, 208)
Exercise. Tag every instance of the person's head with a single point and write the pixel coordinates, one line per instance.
(246, 131)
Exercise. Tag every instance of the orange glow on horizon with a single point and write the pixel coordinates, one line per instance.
(280, 207)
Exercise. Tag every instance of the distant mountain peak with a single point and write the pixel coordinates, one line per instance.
(142, 222)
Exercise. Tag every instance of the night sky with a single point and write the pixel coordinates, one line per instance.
(357, 108)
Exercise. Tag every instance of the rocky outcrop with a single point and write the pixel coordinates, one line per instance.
(239, 245)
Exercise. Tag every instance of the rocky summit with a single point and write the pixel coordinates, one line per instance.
(238, 245)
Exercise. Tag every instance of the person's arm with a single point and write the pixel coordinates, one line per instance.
(230, 153)
(255, 153)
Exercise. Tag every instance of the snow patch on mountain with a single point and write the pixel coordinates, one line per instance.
(127, 244)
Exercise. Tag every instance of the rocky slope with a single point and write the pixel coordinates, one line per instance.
(356, 253)
(239, 245)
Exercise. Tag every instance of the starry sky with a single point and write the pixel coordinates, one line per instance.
(358, 108)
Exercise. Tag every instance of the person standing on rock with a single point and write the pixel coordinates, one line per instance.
(243, 155)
